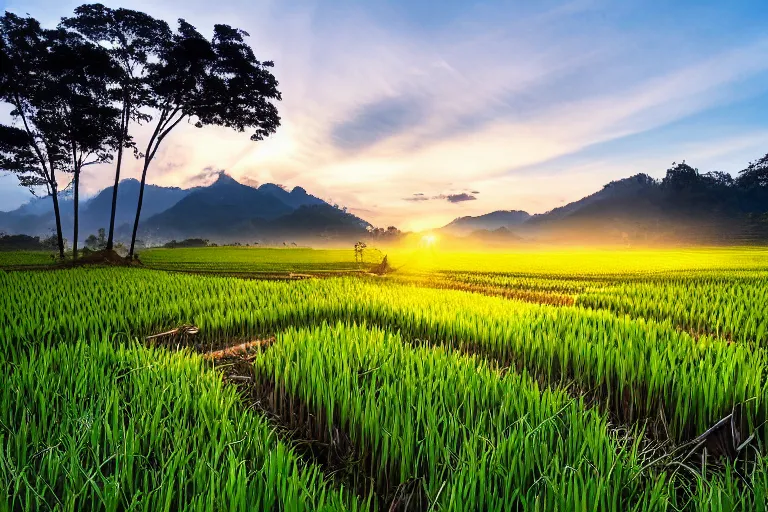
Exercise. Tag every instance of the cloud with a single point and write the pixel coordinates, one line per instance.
(459, 198)
(377, 121)
(451, 198)
(205, 177)
(247, 180)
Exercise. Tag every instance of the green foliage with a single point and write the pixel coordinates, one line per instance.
(251, 260)
(93, 427)
(462, 401)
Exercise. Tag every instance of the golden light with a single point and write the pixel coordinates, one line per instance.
(428, 240)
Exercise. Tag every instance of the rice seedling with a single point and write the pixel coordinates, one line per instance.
(442, 387)
(91, 426)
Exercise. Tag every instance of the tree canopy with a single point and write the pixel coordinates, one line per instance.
(756, 174)
(211, 82)
(57, 84)
(75, 90)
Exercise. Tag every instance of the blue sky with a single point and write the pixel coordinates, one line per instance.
(521, 105)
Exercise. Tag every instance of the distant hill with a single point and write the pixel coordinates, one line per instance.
(489, 222)
(683, 207)
(686, 206)
(221, 209)
(322, 220)
(156, 199)
(229, 211)
(225, 211)
(36, 217)
(500, 235)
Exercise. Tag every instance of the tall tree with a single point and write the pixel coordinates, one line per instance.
(218, 82)
(76, 106)
(131, 38)
(59, 87)
(31, 150)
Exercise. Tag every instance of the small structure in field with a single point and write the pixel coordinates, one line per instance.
(382, 268)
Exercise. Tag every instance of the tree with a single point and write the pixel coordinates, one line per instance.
(132, 38)
(218, 82)
(718, 179)
(30, 152)
(75, 104)
(680, 176)
(97, 243)
(360, 247)
(58, 86)
(755, 175)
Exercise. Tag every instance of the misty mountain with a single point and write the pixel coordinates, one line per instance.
(36, 217)
(225, 211)
(44, 205)
(229, 211)
(500, 235)
(616, 195)
(296, 198)
(222, 208)
(684, 206)
(488, 222)
(320, 219)
(156, 199)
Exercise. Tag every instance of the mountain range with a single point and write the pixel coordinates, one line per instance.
(680, 208)
(683, 207)
(490, 222)
(225, 211)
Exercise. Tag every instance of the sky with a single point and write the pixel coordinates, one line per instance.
(413, 113)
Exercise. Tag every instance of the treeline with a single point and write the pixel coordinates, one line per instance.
(78, 91)
(26, 243)
(683, 177)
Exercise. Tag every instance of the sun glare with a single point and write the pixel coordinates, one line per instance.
(428, 241)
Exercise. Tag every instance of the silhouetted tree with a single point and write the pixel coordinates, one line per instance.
(77, 104)
(680, 176)
(217, 82)
(717, 179)
(360, 247)
(58, 86)
(131, 38)
(755, 175)
(31, 151)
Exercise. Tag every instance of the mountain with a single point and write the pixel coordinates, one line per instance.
(500, 235)
(320, 219)
(683, 207)
(44, 205)
(36, 216)
(229, 211)
(156, 199)
(621, 196)
(489, 222)
(225, 211)
(296, 198)
(223, 208)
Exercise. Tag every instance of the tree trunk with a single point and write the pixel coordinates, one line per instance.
(124, 132)
(77, 197)
(57, 214)
(163, 128)
(138, 207)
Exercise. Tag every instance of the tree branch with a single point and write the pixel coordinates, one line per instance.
(166, 132)
(48, 176)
